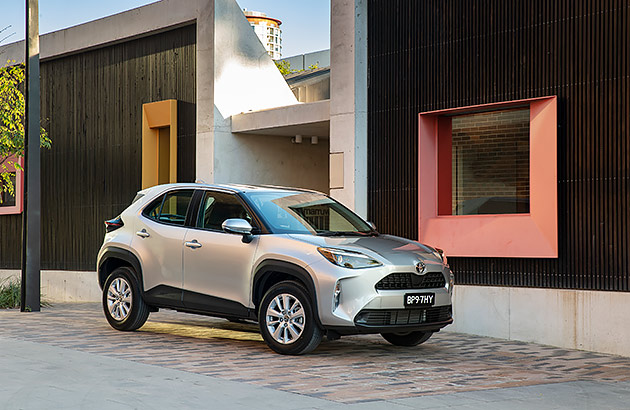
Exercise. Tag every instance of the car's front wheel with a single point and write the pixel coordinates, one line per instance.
(122, 301)
(407, 339)
(287, 319)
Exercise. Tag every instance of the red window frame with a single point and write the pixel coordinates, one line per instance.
(19, 190)
(532, 235)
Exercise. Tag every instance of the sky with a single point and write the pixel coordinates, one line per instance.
(305, 23)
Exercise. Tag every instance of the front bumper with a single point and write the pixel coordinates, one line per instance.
(363, 308)
(360, 328)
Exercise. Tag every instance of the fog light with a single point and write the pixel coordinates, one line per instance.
(336, 295)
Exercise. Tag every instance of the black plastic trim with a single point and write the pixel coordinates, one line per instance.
(359, 329)
(270, 266)
(164, 296)
(216, 306)
(170, 297)
(193, 209)
(120, 254)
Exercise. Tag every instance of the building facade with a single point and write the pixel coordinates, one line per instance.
(268, 31)
(495, 130)
(103, 84)
(548, 259)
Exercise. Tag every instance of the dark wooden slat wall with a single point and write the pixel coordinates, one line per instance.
(92, 103)
(437, 54)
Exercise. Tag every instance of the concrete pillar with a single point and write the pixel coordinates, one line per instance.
(205, 92)
(348, 103)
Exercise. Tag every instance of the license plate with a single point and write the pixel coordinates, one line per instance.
(419, 299)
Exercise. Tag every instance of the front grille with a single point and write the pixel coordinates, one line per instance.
(400, 317)
(394, 281)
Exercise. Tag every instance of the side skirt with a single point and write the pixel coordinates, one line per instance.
(192, 302)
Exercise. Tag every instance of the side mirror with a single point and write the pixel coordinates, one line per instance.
(239, 227)
(372, 225)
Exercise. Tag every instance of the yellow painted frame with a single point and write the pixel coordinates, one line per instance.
(159, 133)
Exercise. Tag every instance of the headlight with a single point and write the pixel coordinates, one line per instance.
(440, 254)
(348, 259)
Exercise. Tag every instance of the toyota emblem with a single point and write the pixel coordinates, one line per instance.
(420, 267)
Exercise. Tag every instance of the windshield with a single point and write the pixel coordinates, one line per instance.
(307, 213)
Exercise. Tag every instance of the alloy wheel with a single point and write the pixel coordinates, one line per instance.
(119, 299)
(285, 318)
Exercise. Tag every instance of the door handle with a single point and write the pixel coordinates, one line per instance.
(193, 244)
(143, 233)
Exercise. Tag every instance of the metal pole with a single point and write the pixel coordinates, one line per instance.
(31, 219)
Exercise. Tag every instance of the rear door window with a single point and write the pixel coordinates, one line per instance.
(170, 208)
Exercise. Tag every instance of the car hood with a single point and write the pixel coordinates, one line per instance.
(398, 251)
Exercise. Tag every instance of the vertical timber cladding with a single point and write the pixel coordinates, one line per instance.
(92, 106)
(435, 54)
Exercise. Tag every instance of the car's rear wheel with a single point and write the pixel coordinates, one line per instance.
(287, 319)
(407, 339)
(122, 300)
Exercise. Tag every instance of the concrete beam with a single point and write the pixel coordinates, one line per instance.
(300, 119)
(137, 22)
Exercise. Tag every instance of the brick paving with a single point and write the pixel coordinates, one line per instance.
(349, 370)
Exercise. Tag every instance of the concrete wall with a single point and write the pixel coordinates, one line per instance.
(304, 61)
(263, 159)
(246, 79)
(64, 286)
(575, 319)
(311, 87)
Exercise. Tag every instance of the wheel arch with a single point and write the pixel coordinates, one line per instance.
(114, 258)
(272, 271)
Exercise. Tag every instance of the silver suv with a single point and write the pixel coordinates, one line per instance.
(298, 262)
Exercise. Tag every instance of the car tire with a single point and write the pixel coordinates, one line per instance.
(287, 319)
(407, 339)
(122, 301)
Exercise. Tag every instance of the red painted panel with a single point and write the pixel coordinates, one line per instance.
(445, 166)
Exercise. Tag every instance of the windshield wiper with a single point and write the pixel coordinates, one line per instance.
(347, 233)
(334, 233)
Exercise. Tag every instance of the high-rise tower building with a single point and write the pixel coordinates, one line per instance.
(268, 31)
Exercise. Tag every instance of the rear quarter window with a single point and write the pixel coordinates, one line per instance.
(152, 211)
(170, 208)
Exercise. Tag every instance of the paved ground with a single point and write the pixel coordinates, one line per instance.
(67, 356)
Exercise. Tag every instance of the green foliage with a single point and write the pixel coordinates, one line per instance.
(285, 67)
(12, 105)
(10, 295)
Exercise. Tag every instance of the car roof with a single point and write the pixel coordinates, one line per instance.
(237, 188)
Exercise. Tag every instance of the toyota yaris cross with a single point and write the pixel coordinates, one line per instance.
(298, 262)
